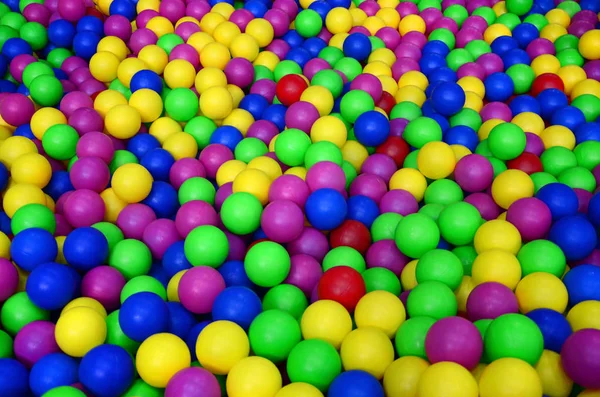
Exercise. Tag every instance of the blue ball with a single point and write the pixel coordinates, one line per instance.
(123, 7)
(90, 23)
(355, 383)
(594, 210)
(85, 248)
(442, 121)
(5, 223)
(181, 320)
(372, 128)
(550, 101)
(587, 132)
(60, 183)
(4, 175)
(234, 274)
(362, 209)
(298, 55)
(146, 79)
(22, 89)
(227, 135)
(61, 33)
(357, 46)
(7, 86)
(107, 371)
(51, 371)
(427, 108)
(256, 7)
(560, 199)
(591, 5)
(293, 38)
(25, 131)
(15, 378)
(16, 46)
(4, 63)
(545, 5)
(192, 336)
(448, 98)
(174, 260)
(524, 103)
(85, 43)
(162, 199)
(569, 117)
(436, 47)
(12, 4)
(32, 247)
(431, 62)
(59, 74)
(503, 44)
(462, 135)
(276, 115)
(141, 144)
(498, 87)
(441, 75)
(159, 273)
(52, 285)
(321, 7)
(237, 304)
(326, 209)
(554, 326)
(514, 57)
(444, 245)
(143, 315)
(339, 3)
(575, 236)
(259, 234)
(158, 162)
(254, 104)
(314, 45)
(525, 33)
(583, 284)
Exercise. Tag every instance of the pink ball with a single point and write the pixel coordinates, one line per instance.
(580, 357)
(485, 204)
(97, 145)
(474, 173)
(62, 226)
(197, 8)
(16, 109)
(311, 242)
(301, 115)
(193, 382)
(326, 174)
(407, 8)
(73, 101)
(471, 69)
(282, 221)
(199, 287)
(240, 72)
(186, 29)
(491, 63)
(491, 300)
(34, 341)
(534, 144)
(305, 272)
(71, 10)
(456, 340)
(385, 253)
(184, 169)
(193, 214)
(39, 13)
(104, 284)
(173, 10)
(9, 279)
(289, 6)
(314, 66)
(92, 86)
(266, 89)
(90, 173)
(134, 218)
(368, 83)
(381, 165)
(60, 203)
(222, 193)
(86, 120)
(408, 50)
(370, 186)
(237, 247)
(399, 201)
(160, 235)
(141, 38)
(279, 20)
(496, 110)
(187, 53)
(72, 63)
(241, 17)
(263, 130)
(390, 36)
(118, 26)
(402, 66)
(213, 156)
(289, 187)
(531, 216)
(84, 208)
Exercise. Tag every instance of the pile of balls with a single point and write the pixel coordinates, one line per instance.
(300, 198)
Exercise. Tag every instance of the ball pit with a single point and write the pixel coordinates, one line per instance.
(299, 198)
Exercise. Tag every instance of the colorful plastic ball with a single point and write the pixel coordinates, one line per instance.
(402, 376)
(580, 282)
(343, 285)
(500, 341)
(541, 290)
(371, 128)
(410, 338)
(206, 245)
(560, 199)
(569, 229)
(510, 186)
(447, 98)
(422, 130)
(436, 160)
(325, 363)
(106, 370)
(433, 299)
(273, 334)
(554, 326)
(79, 330)
(508, 376)
(34, 341)
(506, 141)
(51, 286)
(282, 221)
(143, 314)
(237, 304)
(221, 345)
(131, 183)
(498, 87)
(490, 300)
(579, 357)
(440, 265)
(416, 234)
(267, 264)
(33, 247)
(160, 357)
(53, 370)
(253, 376)
(454, 339)
(326, 209)
(33, 216)
(193, 380)
(448, 378)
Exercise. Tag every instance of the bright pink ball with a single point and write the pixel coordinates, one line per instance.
(34, 341)
(305, 273)
(104, 284)
(95, 144)
(193, 381)
(289, 187)
(531, 216)
(84, 207)
(71, 10)
(311, 242)
(160, 235)
(90, 173)
(199, 287)
(16, 109)
(456, 340)
(474, 173)
(326, 174)
(491, 300)
(282, 221)
(134, 218)
(9, 279)
(193, 214)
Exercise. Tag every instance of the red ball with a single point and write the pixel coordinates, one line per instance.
(342, 284)
(91, 11)
(396, 148)
(387, 102)
(526, 162)
(351, 234)
(546, 81)
(256, 242)
(289, 89)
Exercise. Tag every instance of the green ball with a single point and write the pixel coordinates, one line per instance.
(509, 20)
(507, 141)
(267, 264)
(467, 117)
(181, 104)
(329, 79)
(18, 311)
(354, 103)
(291, 146)
(308, 23)
(482, 326)
(498, 165)
(33, 216)
(331, 55)
(6, 32)
(13, 19)
(57, 56)
(570, 7)
(46, 90)
(410, 161)
(262, 73)
(410, 338)
(25, 3)
(273, 334)
(142, 389)
(201, 128)
(557, 159)
(116, 85)
(206, 245)
(590, 106)
(568, 41)
(169, 41)
(477, 48)
(197, 188)
(131, 257)
(143, 284)
(344, 256)
(350, 173)
(384, 226)
(381, 279)
(6, 345)
(286, 67)
(440, 265)
(431, 299)
(416, 234)
(483, 148)
(286, 297)
(322, 151)
(578, 177)
(432, 211)
(3, 9)
(376, 43)
(350, 67)
(457, 13)
(71, 162)
(542, 256)
(422, 130)
(515, 336)
(64, 391)
(486, 13)
(425, 4)
(588, 154)
(570, 56)
(458, 57)
(443, 191)
(406, 110)
(315, 362)
(241, 213)
(467, 255)
(444, 35)
(35, 34)
(112, 233)
(537, 20)
(459, 222)
(522, 77)
(60, 141)
(541, 179)
(120, 158)
(116, 336)
(249, 149)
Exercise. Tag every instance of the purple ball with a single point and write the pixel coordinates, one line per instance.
(34, 341)
(491, 63)
(403, 65)
(326, 174)
(141, 38)
(491, 300)
(407, 8)
(531, 216)
(16, 109)
(223, 192)
(580, 357)
(197, 9)
(92, 86)
(134, 218)
(301, 115)
(71, 10)
(187, 53)
(193, 214)
(279, 20)
(390, 36)
(193, 382)
(241, 17)
(104, 284)
(289, 187)
(62, 226)
(380, 165)
(240, 72)
(118, 26)
(370, 7)
(160, 235)
(474, 173)
(397, 127)
(173, 10)
(143, 17)
(454, 339)
(90, 173)
(311, 242)
(496, 110)
(9, 279)
(305, 272)
(485, 204)
(475, 21)
(199, 287)
(84, 207)
(73, 101)
(289, 6)
(184, 169)
(186, 29)
(97, 145)
(370, 186)
(264, 88)
(584, 15)
(471, 69)
(279, 48)
(430, 16)
(592, 69)
(313, 66)
(86, 120)
(445, 23)
(540, 46)
(534, 144)
(237, 247)
(416, 38)
(80, 75)
(584, 197)
(36, 12)
(580, 27)
(213, 156)
(282, 221)
(263, 130)
(385, 253)
(398, 201)
(370, 84)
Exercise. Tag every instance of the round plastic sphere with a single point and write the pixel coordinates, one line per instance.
(16, 380)
(160, 357)
(326, 209)
(508, 376)
(500, 341)
(53, 370)
(506, 141)
(416, 234)
(206, 245)
(410, 338)
(580, 282)
(447, 98)
(357, 46)
(490, 300)
(32, 247)
(554, 326)
(34, 341)
(324, 366)
(253, 376)
(51, 286)
(199, 287)
(575, 236)
(432, 299)
(273, 334)
(267, 264)
(454, 339)
(373, 309)
(106, 370)
(132, 183)
(579, 357)
(282, 221)
(371, 128)
(33, 216)
(326, 320)
(436, 160)
(221, 345)
(238, 304)
(342, 284)
(85, 248)
(447, 378)
(80, 329)
(440, 265)
(143, 315)
(193, 380)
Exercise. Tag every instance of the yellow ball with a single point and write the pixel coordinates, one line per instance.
(300, 172)
(31, 168)
(410, 180)
(225, 32)
(115, 45)
(199, 40)
(410, 93)
(229, 170)
(261, 30)
(552, 31)
(337, 40)
(496, 266)
(104, 65)
(436, 160)
(215, 55)
(486, 128)
(114, 205)
(529, 122)
(327, 320)
(104, 6)
(386, 56)
(555, 381)
(237, 94)
(367, 349)
(559, 17)
(267, 59)
(179, 73)
(147, 103)
(509, 377)
(459, 151)
(558, 135)
(510, 186)
(107, 100)
(472, 84)
(15, 147)
(320, 97)
(85, 302)
(585, 314)
(4, 246)
(570, 76)
(358, 16)
(589, 45)
(463, 292)
(221, 345)
(408, 277)
(173, 286)
(155, 58)
(299, 389)
(545, 63)
(497, 234)
(446, 379)
(329, 128)
(411, 23)
(354, 153)
(79, 330)
(244, 46)
(147, 5)
(123, 121)
(216, 103)
(239, 118)
(402, 376)
(266, 165)
(41, 120)
(500, 8)
(132, 183)
(181, 145)
(388, 84)
(253, 377)
(209, 77)
(375, 24)
(160, 26)
(224, 9)
(494, 31)
(473, 101)
(160, 357)
(338, 20)
(253, 181)
(382, 310)
(587, 86)
(163, 127)
(210, 21)
(129, 67)
(541, 291)
(389, 16)
(21, 194)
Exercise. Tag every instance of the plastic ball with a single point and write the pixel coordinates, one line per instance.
(325, 365)
(193, 380)
(509, 375)
(52, 371)
(528, 347)
(221, 345)
(106, 362)
(160, 357)
(433, 299)
(408, 229)
(436, 160)
(79, 330)
(449, 378)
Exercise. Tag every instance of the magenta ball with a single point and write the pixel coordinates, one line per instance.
(186, 29)
(240, 72)
(326, 174)
(84, 208)
(534, 144)
(241, 18)
(580, 357)
(540, 46)
(34, 341)
(390, 36)
(184, 169)
(73, 101)
(62, 226)
(160, 235)
(370, 84)
(531, 216)
(95, 145)
(385, 253)
(399, 201)
(237, 247)
(279, 20)
(381, 165)
(223, 192)
(290, 187)
(407, 8)
(403, 65)
(35, 12)
(104, 284)
(262, 129)
(474, 173)
(397, 127)
(471, 69)
(199, 287)
(454, 339)
(491, 300)
(173, 10)
(213, 156)
(496, 110)
(118, 26)
(90, 173)
(193, 214)
(9, 279)
(305, 272)
(197, 8)
(71, 10)
(282, 221)
(485, 204)
(86, 120)
(141, 38)
(370, 186)
(301, 115)
(193, 382)
(187, 53)
(18, 65)
(466, 35)
(584, 197)
(311, 242)
(491, 63)
(266, 89)
(134, 218)
(17, 109)
(314, 66)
